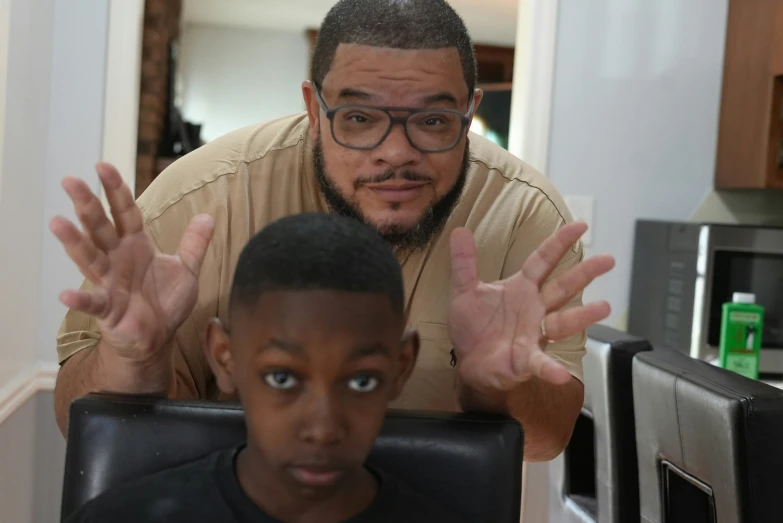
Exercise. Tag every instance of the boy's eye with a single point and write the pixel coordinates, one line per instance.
(363, 383)
(280, 380)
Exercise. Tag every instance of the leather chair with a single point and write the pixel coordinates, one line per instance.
(710, 442)
(595, 479)
(471, 463)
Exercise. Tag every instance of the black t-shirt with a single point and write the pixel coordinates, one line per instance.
(208, 490)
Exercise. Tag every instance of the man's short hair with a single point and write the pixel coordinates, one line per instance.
(397, 24)
(317, 251)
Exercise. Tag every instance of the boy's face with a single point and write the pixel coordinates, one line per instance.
(315, 371)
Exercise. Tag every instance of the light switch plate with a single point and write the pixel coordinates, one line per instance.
(583, 209)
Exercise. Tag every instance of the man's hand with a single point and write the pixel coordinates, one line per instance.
(500, 329)
(139, 296)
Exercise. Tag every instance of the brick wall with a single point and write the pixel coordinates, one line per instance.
(161, 27)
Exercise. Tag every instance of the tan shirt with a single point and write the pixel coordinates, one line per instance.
(255, 175)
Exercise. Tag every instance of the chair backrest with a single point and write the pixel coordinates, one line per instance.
(472, 464)
(710, 442)
(595, 479)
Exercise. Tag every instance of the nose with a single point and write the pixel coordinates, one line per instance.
(322, 421)
(396, 151)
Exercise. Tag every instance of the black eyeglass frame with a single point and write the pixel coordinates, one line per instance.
(395, 120)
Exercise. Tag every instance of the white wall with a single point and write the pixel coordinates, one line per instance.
(635, 116)
(233, 77)
(74, 142)
(23, 169)
(56, 62)
(51, 92)
(5, 24)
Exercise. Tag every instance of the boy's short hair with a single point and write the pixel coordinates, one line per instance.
(317, 251)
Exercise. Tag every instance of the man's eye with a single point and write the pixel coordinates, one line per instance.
(357, 117)
(433, 121)
(363, 383)
(280, 380)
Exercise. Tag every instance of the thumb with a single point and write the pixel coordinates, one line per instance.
(464, 269)
(547, 369)
(194, 243)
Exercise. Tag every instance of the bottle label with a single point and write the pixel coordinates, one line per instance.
(744, 364)
(744, 317)
(742, 332)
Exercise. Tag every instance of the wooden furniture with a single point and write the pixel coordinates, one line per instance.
(161, 28)
(495, 65)
(750, 137)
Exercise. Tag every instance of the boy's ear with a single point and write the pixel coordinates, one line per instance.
(221, 360)
(409, 352)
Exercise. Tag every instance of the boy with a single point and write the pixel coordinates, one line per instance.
(315, 347)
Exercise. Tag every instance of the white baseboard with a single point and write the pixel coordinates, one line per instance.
(535, 492)
(24, 385)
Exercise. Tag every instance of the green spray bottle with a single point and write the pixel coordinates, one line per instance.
(740, 335)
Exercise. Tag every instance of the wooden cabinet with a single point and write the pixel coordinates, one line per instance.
(750, 136)
(495, 65)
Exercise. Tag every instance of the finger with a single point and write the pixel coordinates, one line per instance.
(546, 368)
(562, 289)
(127, 215)
(195, 241)
(543, 261)
(93, 303)
(91, 215)
(464, 268)
(92, 262)
(563, 324)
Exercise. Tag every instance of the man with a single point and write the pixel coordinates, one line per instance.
(384, 141)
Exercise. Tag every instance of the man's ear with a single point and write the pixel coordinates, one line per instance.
(409, 353)
(221, 360)
(313, 108)
(478, 95)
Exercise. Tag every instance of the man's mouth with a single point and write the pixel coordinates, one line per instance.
(316, 476)
(397, 192)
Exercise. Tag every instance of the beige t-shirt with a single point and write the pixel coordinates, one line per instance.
(255, 175)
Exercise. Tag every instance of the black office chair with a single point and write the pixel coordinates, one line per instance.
(710, 442)
(472, 464)
(596, 478)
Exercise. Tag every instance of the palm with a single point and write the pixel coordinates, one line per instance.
(496, 327)
(139, 295)
(497, 320)
(146, 309)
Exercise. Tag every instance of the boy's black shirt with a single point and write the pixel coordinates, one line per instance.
(208, 490)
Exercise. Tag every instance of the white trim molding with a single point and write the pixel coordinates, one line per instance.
(123, 83)
(529, 137)
(534, 82)
(25, 385)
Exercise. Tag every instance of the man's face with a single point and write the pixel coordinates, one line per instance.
(315, 371)
(402, 192)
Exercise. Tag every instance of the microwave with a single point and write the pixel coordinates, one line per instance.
(683, 273)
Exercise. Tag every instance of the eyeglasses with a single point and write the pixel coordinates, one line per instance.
(365, 127)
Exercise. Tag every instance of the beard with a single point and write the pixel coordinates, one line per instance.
(400, 237)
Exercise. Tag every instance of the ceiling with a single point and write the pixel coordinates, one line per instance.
(489, 21)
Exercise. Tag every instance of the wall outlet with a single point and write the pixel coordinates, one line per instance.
(583, 209)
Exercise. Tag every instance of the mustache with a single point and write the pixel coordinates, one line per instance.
(410, 176)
